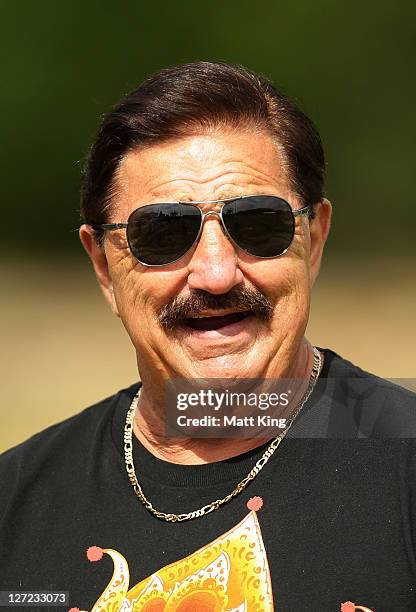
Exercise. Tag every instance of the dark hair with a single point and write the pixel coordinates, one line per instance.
(176, 100)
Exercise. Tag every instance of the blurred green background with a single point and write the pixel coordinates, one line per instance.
(349, 66)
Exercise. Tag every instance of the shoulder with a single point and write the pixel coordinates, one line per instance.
(64, 440)
(337, 367)
(378, 406)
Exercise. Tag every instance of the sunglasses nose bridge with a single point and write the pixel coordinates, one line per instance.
(211, 212)
(216, 213)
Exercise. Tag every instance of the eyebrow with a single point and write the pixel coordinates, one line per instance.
(226, 195)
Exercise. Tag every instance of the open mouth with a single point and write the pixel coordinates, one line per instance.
(216, 322)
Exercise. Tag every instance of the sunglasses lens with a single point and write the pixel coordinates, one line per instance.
(159, 234)
(263, 226)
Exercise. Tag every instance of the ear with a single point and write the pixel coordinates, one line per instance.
(99, 261)
(319, 228)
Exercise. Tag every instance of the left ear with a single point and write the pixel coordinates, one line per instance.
(319, 229)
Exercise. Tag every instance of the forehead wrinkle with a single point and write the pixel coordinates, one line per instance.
(195, 166)
(226, 185)
(252, 174)
(226, 178)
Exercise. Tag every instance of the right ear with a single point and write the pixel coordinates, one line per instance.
(99, 260)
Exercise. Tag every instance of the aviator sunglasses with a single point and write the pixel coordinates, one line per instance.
(160, 234)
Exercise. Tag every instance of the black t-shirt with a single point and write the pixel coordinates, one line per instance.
(337, 522)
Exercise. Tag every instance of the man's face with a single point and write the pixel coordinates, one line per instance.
(209, 166)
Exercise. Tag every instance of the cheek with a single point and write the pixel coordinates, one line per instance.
(286, 283)
(140, 294)
(281, 280)
(281, 277)
(291, 312)
(293, 286)
(293, 300)
(127, 279)
(136, 307)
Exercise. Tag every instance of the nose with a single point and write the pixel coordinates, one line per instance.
(214, 263)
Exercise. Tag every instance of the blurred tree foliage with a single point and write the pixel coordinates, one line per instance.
(350, 66)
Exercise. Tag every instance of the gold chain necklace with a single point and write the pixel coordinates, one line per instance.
(173, 518)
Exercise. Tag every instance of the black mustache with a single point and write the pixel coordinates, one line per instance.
(181, 308)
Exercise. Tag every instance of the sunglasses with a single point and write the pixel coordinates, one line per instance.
(160, 234)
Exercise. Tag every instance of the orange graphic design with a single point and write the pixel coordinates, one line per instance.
(348, 606)
(231, 574)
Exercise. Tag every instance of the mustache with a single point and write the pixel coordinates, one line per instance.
(239, 298)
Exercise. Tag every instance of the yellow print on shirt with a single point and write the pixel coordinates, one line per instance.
(231, 574)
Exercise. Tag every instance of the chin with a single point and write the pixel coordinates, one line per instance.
(226, 366)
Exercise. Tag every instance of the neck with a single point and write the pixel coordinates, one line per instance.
(149, 425)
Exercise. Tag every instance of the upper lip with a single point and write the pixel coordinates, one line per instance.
(216, 313)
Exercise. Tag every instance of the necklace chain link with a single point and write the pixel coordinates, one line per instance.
(173, 518)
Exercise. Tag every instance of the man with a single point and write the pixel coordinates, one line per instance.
(205, 221)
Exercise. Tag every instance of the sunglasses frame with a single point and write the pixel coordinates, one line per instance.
(305, 211)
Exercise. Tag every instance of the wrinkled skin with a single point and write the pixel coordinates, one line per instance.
(210, 166)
